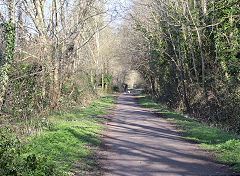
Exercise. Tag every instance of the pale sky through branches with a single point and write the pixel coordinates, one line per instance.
(117, 10)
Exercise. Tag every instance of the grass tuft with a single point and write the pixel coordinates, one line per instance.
(225, 145)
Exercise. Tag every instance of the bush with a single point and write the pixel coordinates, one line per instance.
(13, 161)
(116, 89)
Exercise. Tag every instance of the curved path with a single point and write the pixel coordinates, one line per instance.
(139, 144)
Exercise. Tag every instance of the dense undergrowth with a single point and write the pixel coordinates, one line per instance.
(225, 145)
(64, 149)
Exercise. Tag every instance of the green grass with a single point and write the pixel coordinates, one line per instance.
(73, 137)
(225, 145)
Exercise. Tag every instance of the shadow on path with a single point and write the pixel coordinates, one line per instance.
(139, 144)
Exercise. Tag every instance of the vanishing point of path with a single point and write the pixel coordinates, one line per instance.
(140, 144)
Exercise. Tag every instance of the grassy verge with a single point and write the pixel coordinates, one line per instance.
(73, 137)
(225, 145)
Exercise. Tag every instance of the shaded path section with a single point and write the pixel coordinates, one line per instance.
(142, 145)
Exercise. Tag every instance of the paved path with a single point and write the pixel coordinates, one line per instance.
(142, 145)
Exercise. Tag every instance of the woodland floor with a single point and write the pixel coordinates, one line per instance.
(141, 144)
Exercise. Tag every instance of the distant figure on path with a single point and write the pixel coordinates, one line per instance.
(125, 88)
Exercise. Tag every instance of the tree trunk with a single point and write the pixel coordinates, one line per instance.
(102, 80)
(182, 75)
(4, 82)
(193, 59)
(9, 50)
(153, 88)
(202, 55)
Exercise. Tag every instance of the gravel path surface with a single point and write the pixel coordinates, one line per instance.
(140, 144)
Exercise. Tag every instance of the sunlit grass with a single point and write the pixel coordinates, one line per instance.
(72, 137)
